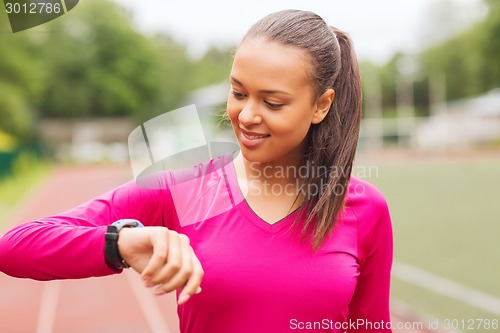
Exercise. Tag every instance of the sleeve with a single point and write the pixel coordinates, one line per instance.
(70, 245)
(369, 307)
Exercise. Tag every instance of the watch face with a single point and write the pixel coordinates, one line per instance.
(126, 223)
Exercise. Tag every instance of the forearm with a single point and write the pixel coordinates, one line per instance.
(47, 250)
(71, 245)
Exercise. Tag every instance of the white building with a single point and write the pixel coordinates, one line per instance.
(461, 124)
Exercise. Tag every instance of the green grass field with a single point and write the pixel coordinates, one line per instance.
(446, 219)
(14, 188)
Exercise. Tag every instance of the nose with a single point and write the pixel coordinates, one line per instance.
(249, 115)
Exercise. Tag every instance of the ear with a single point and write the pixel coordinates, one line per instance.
(323, 104)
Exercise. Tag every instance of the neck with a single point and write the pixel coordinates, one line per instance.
(276, 172)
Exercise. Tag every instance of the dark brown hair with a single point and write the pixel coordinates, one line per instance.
(332, 143)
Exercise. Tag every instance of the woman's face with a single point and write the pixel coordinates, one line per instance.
(272, 102)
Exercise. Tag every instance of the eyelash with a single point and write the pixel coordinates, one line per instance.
(273, 106)
(237, 95)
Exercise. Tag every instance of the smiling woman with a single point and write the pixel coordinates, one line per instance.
(282, 109)
(253, 250)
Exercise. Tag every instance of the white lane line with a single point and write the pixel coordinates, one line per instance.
(419, 321)
(148, 303)
(446, 287)
(48, 307)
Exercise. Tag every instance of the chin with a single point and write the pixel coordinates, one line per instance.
(254, 156)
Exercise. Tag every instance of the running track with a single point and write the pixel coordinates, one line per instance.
(111, 304)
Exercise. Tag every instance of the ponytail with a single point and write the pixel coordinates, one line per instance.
(338, 132)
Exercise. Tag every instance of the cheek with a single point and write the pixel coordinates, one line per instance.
(232, 111)
(290, 125)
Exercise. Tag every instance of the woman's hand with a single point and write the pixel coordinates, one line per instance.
(164, 259)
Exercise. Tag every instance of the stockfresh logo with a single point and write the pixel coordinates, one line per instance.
(31, 13)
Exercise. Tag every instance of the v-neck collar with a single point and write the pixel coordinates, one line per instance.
(244, 208)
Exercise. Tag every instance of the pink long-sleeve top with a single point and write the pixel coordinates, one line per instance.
(259, 277)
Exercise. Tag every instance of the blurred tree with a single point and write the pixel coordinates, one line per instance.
(213, 67)
(15, 113)
(173, 70)
(93, 62)
(489, 46)
(98, 65)
(20, 82)
(469, 60)
(388, 74)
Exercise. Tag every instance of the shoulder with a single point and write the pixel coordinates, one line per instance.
(366, 204)
(371, 212)
(364, 197)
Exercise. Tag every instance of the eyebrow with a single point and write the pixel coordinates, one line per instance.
(264, 91)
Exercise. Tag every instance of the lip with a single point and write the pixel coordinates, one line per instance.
(252, 139)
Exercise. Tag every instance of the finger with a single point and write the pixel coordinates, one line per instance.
(172, 264)
(180, 278)
(160, 242)
(193, 285)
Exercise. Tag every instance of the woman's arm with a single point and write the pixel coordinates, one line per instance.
(369, 307)
(71, 244)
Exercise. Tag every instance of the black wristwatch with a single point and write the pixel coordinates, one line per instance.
(111, 253)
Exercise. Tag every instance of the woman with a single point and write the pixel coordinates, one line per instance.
(280, 237)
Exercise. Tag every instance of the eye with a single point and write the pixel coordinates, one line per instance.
(237, 95)
(273, 105)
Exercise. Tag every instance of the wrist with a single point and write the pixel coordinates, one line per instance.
(124, 243)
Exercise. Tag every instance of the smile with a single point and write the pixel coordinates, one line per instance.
(251, 139)
(254, 136)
